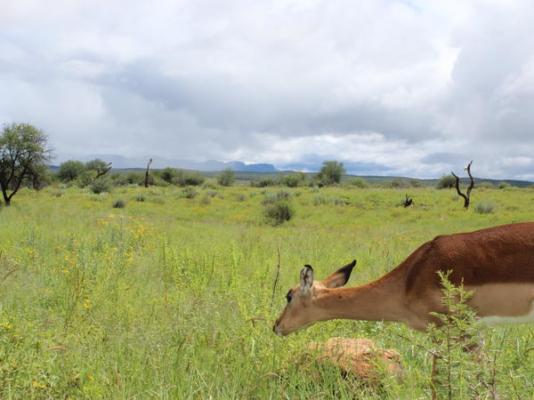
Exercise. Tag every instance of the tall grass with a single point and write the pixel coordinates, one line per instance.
(170, 298)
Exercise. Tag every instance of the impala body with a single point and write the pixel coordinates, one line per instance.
(496, 264)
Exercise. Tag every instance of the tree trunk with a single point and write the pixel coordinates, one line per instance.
(147, 172)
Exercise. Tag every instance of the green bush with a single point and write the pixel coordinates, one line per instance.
(293, 180)
(168, 174)
(359, 183)
(226, 177)
(140, 198)
(119, 203)
(101, 185)
(446, 182)
(188, 178)
(278, 212)
(484, 208)
(189, 193)
(504, 185)
(271, 198)
(330, 173)
(264, 182)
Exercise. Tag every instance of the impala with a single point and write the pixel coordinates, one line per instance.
(496, 264)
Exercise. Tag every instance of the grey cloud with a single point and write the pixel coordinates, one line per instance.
(439, 83)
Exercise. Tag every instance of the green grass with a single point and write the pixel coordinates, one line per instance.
(170, 297)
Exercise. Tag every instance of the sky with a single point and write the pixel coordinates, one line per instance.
(411, 88)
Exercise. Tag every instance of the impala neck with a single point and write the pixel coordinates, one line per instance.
(373, 302)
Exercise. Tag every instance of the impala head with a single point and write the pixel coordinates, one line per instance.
(301, 309)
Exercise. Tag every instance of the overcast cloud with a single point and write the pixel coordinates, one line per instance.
(389, 87)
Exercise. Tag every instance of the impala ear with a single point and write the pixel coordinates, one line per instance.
(340, 277)
(306, 279)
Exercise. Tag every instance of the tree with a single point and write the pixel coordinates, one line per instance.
(168, 174)
(100, 167)
(467, 195)
(70, 170)
(331, 172)
(23, 153)
(226, 177)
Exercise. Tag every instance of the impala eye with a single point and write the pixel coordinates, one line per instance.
(289, 296)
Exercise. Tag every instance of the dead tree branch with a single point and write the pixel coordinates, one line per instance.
(467, 195)
(147, 172)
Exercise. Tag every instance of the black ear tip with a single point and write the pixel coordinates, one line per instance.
(308, 266)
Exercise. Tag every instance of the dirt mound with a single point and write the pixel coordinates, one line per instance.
(359, 358)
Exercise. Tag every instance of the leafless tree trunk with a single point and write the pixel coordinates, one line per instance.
(467, 195)
(147, 172)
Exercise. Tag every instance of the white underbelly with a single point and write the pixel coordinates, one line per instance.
(518, 319)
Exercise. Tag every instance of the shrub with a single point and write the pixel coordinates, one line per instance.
(398, 183)
(504, 185)
(279, 212)
(137, 178)
(140, 198)
(189, 193)
(101, 185)
(70, 170)
(119, 203)
(293, 180)
(484, 208)
(226, 177)
(264, 182)
(458, 371)
(168, 174)
(446, 182)
(331, 172)
(271, 198)
(359, 183)
(188, 178)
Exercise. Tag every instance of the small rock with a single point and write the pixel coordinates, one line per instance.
(359, 358)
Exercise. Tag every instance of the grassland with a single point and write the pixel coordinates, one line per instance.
(170, 297)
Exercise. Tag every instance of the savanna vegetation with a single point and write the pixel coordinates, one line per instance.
(167, 292)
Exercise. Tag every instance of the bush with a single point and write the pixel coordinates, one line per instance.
(140, 198)
(264, 182)
(331, 172)
(188, 178)
(279, 212)
(119, 203)
(168, 174)
(446, 182)
(484, 208)
(189, 193)
(293, 180)
(101, 185)
(504, 185)
(226, 177)
(271, 198)
(70, 170)
(359, 183)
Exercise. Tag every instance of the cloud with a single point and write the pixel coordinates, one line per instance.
(389, 87)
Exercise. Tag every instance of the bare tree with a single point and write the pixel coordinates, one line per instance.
(467, 195)
(147, 172)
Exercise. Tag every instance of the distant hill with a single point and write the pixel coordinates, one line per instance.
(120, 162)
